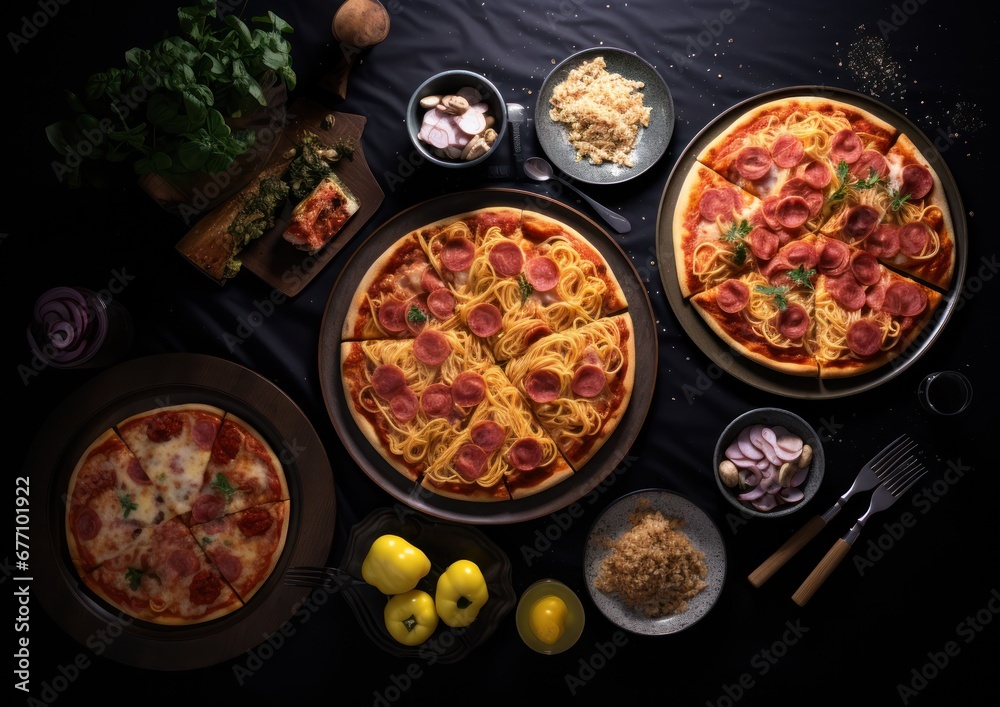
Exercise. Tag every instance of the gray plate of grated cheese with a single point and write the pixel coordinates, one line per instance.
(650, 142)
(701, 541)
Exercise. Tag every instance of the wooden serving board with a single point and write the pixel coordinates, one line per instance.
(271, 257)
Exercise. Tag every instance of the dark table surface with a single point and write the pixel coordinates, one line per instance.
(916, 622)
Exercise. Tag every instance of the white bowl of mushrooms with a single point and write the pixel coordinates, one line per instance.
(768, 462)
(456, 118)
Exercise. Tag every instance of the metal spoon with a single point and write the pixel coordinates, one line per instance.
(541, 171)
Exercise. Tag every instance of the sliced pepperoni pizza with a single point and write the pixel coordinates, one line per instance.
(845, 201)
(578, 383)
(245, 546)
(242, 471)
(164, 577)
(109, 503)
(802, 138)
(173, 445)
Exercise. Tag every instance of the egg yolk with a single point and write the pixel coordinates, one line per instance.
(547, 619)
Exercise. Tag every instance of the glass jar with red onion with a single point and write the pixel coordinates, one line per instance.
(73, 327)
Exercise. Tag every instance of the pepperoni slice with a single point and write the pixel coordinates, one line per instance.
(845, 145)
(458, 253)
(525, 454)
(506, 258)
(803, 254)
(404, 404)
(470, 461)
(137, 473)
(884, 241)
(861, 220)
(542, 273)
(206, 507)
(468, 389)
(588, 380)
(797, 186)
(542, 385)
(792, 211)
(817, 175)
(203, 433)
(87, 524)
(441, 302)
(392, 315)
(917, 181)
(905, 299)
(539, 331)
(753, 162)
(733, 296)
(866, 268)
(431, 347)
(864, 338)
(417, 313)
(846, 291)
(484, 319)
(763, 243)
(787, 151)
(229, 565)
(834, 258)
(488, 435)
(387, 380)
(164, 427)
(430, 281)
(767, 208)
(183, 562)
(436, 400)
(875, 296)
(870, 161)
(793, 321)
(914, 237)
(717, 203)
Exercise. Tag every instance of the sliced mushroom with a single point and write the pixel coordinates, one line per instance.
(477, 147)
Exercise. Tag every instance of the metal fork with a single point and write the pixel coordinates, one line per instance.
(326, 577)
(889, 492)
(871, 475)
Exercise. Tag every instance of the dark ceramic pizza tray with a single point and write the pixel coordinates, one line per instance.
(552, 499)
(142, 384)
(730, 360)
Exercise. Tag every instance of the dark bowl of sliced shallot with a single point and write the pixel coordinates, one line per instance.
(456, 118)
(768, 463)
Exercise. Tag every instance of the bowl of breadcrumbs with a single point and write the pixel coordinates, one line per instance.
(655, 563)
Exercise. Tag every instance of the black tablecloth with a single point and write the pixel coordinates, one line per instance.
(915, 622)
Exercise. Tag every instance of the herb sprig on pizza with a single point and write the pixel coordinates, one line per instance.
(813, 237)
(441, 330)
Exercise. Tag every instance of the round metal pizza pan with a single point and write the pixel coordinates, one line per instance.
(727, 358)
(143, 384)
(501, 512)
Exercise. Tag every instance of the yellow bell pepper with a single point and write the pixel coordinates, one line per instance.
(393, 565)
(460, 594)
(410, 617)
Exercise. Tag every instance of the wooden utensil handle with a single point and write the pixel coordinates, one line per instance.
(823, 570)
(784, 553)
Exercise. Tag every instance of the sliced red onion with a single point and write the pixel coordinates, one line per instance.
(69, 325)
(760, 451)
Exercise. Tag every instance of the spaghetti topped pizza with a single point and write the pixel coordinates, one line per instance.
(813, 237)
(489, 355)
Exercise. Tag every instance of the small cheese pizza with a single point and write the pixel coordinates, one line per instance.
(173, 444)
(245, 546)
(790, 224)
(164, 578)
(437, 326)
(132, 508)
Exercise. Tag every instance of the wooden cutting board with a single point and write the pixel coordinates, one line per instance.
(271, 257)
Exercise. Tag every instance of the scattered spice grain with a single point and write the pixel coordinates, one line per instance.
(603, 112)
(653, 567)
